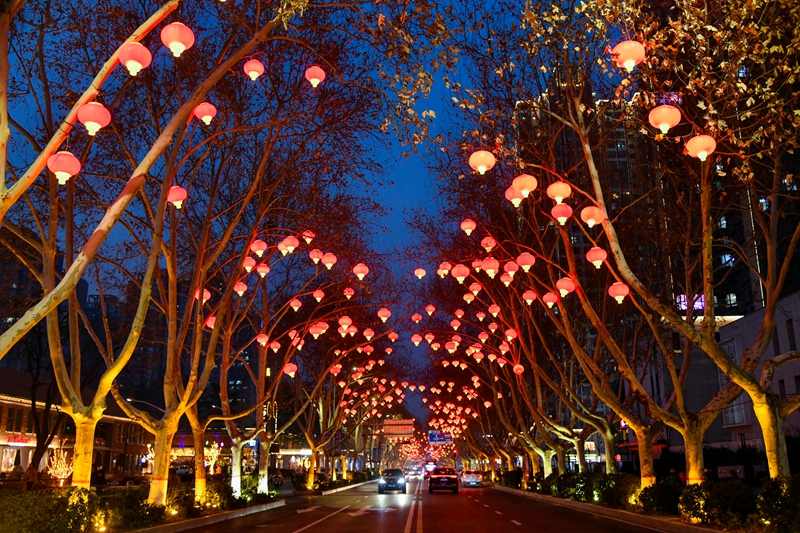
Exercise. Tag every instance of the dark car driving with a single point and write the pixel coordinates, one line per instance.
(392, 479)
(443, 478)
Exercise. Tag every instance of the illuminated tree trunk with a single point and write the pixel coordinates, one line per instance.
(581, 451)
(693, 449)
(647, 470)
(343, 459)
(533, 458)
(198, 436)
(561, 459)
(236, 468)
(608, 443)
(161, 458)
(263, 465)
(773, 433)
(547, 458)
(312, 469)
(83, 451)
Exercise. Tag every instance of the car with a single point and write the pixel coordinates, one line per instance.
(471, 478)
(443, 478)
(392, 479)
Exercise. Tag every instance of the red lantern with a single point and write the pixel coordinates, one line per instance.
(444, 269)
(490, 265)
(525, 184)
(348, 292)
(519, 369)
(254, 68)
(290, 243)
(511, 268)
(295, 304)
(177, 37)
(249, 264)
(514, 196)
(315, 255)
(511, 334)
(262, 269)
(468, 226)
(416, 317)
(420, 273)
(618, 291)
(565, 286)
(455, 324)
(526, 261)
(550, 299)
(275, 346)
(430, 309)
(558, 191)
(211, 322)
(664, 117)
(240, 288)
(262, 339)
(487, 404)
(393, 336)
(206, 295)
(494, 309)
(329, 260)
(561, 212)
(94, 116)
(318, 295)
(176, 195)
(529, 296)
(628, 54)
(308, 236)
(315, 75)
(290, 369)
(135, 57)
(368, 334)
(460, 272)
(592, 215)
(64, 165)
(469, 298)
(596, 256)
(360, 270)
(258, 247)
(416, 338)
(701, 146)
(205, 112)
(384, 314)
(488, 243)
(481, 161)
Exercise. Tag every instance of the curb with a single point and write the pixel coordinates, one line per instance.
(346, 487)
(183, 525)
(651, 522)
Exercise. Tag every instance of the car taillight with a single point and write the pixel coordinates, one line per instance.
(480, 476)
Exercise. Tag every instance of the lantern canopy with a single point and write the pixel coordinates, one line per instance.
(290, 369)
(420, 273)
(205, 112)
(258, 247)
(618, 291)
(240, 288)
(596, 256)
(526, 261)
(550, 298)
(254, 68)
(94, 116)
(176, 195)
(514, 196)
(701, 146)
(561, 212)
(460, 272)
(64, 165)
(592, 215)
(177, 37)
(628, 54)
(481, 161)
(361, 270)
(664, 117)
(525, 184)
(468, 226)
(558, 191)
(135, 57)
(315, 75)
(565, 286)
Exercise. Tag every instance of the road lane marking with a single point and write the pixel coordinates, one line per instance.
(361, 511)
(498, 512)
(515, 522)
(419, 517)
(410, 518)
(312, 524)
(301, 511)
(485, 505)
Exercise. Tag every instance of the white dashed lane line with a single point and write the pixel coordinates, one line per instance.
(498, 512)
(515, 522)
(485, 505)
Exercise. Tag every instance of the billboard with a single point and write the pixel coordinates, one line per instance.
(439, 438)
(398, 428)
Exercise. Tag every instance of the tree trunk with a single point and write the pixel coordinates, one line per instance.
(198, 436)
(547, 458)
(647, 470)
(263, 465)
(561, 459)
(312, 469)
(533, 458)
(236, 468)
(773, 433)
(693, 449)
(83, 450)
(581, 451)
(343, 459)
(161, 460)
(608, 443)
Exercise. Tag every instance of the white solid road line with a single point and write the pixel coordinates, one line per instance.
(321, 519)
(498, 512)
(515, 522)
(410, 518)
(419, 517)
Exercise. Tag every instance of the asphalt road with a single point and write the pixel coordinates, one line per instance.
(472, 510)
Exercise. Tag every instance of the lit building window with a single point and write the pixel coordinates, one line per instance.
(730, 299)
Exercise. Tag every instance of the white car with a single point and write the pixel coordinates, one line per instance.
(472, 478)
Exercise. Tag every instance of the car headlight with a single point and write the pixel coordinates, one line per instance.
(381, 481)
(401, 480)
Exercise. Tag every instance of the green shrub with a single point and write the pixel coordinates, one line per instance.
(692, 504)
(622, 492)
(661, 498)
(549, 485)
(59, 511)
(131, 511)
(729, 503)
(779, 504)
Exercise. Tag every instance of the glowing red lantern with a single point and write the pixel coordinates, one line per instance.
(290, 369)
(262, 339)
(455, 324)
(514, 196)
(490, 265)
(596, 256)
(275, 346)
(488, 243)
(494, 309)
(416, 317)
(529, 296)
(211, 322)
(565, 286)
(468, 225)
(519, 369)
(258, 247)
(558, 191)
(701, 146)
(64, 165)
(444, 269)
(318, 295)
(290, 243)
(205, 112)
(176, 195)
(416, 338)
(329, 260)
(262, 269)
(348, 292)
(308, 236)
(135, 57)
(240, 288)
(254, 68)
(430, 309)
(315, 75)
(511, 334)
(481, 161)
(206, 295)
(592, 215)
(315, 255)
(393, 336)
(94, 116)
(550, 298)
(249, 264)
(511, 268)
(628, 54)
(460, 272)
(618, 291)
(487, 404)
(561, 212)
(526, 261)
(420, 273)
(664, 117)
(360, 270)
(295, 304)
(525, 184)
(384, 314)
(177, 37)
(369, 333)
